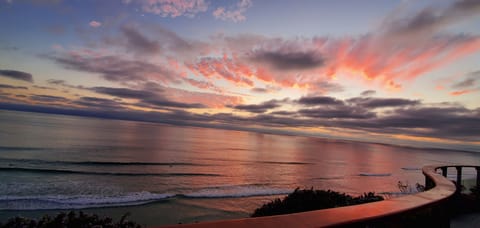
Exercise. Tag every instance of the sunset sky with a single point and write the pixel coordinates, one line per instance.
(403, 72)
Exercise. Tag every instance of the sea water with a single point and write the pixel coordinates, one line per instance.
(165, 174)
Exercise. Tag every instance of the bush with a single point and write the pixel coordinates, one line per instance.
(70, 220)
(309, 199)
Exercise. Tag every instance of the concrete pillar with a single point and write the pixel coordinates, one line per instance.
(478, 176)
(444, 171)
(459, 177)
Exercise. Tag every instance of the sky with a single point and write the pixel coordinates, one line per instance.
(400, 72)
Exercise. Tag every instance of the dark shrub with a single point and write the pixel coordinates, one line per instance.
(69, 220)
(309, 199)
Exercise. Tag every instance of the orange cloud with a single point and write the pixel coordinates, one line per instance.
(461, 92)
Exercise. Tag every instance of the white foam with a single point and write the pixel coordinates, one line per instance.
(48, 202)
(77, 201)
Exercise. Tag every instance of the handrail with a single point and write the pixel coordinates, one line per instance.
(440, 190)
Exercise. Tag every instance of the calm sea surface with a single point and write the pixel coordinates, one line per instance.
(168, 174)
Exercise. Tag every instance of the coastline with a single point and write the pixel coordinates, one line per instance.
(159, 213)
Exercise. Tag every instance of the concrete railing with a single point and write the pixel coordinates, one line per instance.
(439, 190)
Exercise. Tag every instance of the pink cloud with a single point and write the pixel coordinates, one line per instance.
(236, 14)
(174, 8)
(224, 68)
(95, 24)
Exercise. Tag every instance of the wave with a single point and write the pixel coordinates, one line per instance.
(64, 171)
(50, 202)
(21, 148)
(375, 174)
(235, 192)
(102, 163)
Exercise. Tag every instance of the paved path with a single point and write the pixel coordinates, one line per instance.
(468, 220)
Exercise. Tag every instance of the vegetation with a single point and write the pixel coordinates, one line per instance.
(70, 219)
(309, 199)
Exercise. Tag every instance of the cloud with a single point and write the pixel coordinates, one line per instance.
(382, 102)
(95, 24)
(124, 92)
(18, 75)
(428, 21)
(462, 92)
(266, 89)
(204, 85)
(367, 93)
(337, 112)
(48, 98)
(467, 85)
(161, 102)
(5, 86)
(259, 108)
(113, 67)
(139, 43)
(174, 8)
(319, 100)
(225, 68)
(236, 14)
(101, 103)
(445, 121)
(469, 82)
(156, 96)
(322, 87)
(284, 55)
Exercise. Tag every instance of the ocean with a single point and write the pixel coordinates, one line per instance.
(163, 174)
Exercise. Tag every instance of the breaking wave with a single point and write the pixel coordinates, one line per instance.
(49, 202)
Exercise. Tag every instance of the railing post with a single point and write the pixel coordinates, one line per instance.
(459, 177)
(444, 171)
(428, 183)
(478, 176)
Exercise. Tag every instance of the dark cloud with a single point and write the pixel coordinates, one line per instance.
(326, 86)
(59, 82)
(283, 113)
(56, 81)
(115, 68)
(5, 86)
(259, 90)
(43, 87)
(446, 121)
(368, 93)
(96, 102)
(138, 43)
(266, 89)
(146, 98)
(288, 60)
(48, 98)
(431, 19)
(163, 103)
(124, 92)
(259, 108)
(337, 112)
(319, 100)
(381, 102)
(469, 82)
(18, 75)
